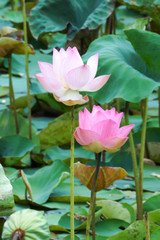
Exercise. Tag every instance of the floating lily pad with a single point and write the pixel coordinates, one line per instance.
(42, 187)
(82, 194)
(112, 209)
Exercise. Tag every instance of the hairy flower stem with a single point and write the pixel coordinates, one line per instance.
(27, 70)
(147, 227)
(91, 211)
(11, 94)
(72, 172)
(134, 161)
(142, 151)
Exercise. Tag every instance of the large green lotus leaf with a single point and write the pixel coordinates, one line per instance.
(3, 91)
(128, 71)
(135, 231)
(151, 184)
(43, 181)
(56, 152)
(80, 223)
(53, 218)
(57, 40)
(13, 16)
(51, 16)
(149, 170)
(155, 235)
(127, 17)
(82, 194)
(106, 175)
(149, 6)
(147, 46)
(6, 195)
(144, 3)
(11, 45)
(110, 226)
(62, 193)
(152, 203)
(11, 146)
(112, 209)
(154, 217)
(18, 63)
(54, 133)
(7, 127)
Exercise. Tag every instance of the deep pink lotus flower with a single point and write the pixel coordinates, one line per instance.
(68, 76)
(100, 130)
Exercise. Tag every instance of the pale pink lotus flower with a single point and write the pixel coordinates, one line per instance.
(100, 130)
(68, 76)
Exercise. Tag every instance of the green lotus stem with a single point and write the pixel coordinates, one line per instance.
(134, 161)
(90, 104)
(118, 104)
(91, 211)
(15, 5)
(27, 69)
(72, 173)
(141, 159)
(93, 218)
(147, 227)
(159, 104)
(11, 93)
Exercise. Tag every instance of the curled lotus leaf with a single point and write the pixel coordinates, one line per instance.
(106, 175)
(10, 45)
(7, 30)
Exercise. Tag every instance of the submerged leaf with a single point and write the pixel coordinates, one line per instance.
(106, 176)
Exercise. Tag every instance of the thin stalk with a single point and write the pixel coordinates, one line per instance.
(118, 104)
(93, 218)
(109, 106)
(90, 104)
(159, 104)
(72, 173)
(92, 202)
(141, 160)
(147, 226)
(27, 69)
(15, 5)
(11, 93)
(134, 161)
(113, 22)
